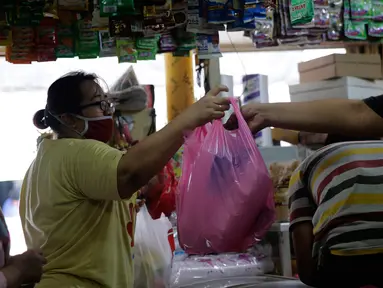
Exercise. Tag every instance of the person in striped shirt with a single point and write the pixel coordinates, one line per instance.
(336, 194)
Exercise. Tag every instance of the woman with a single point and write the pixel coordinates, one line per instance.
(336, 194)
(78, 196)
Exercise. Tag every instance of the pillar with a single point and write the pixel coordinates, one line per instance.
(179, 83)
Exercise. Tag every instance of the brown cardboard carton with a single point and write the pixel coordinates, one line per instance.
(340, 65)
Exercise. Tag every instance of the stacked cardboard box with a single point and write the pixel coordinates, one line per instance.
(353, 76)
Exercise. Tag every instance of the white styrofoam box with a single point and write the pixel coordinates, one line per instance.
(344, 87)
(227, 80)
(256, 89)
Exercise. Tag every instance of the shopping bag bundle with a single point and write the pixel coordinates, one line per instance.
(152, 256)
(225, 195)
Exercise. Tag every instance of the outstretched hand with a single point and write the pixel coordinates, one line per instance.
(206, 109)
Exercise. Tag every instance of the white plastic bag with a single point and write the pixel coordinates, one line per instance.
(153, 255)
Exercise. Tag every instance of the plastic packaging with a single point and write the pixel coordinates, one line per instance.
(208, 46)
(355, 30)
(223, 270)
(153, 256)
(220, 11)
(225, 199)
(126, 51)
(301, 11)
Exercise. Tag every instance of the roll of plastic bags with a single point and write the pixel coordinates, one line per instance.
(153, 256)
(225, 197)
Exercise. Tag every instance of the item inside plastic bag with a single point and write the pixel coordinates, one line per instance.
(225, 197)
(153, 256)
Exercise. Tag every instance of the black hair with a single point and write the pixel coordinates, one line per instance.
(64, 96)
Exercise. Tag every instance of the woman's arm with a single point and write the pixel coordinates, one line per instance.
(145, 159)
(336, 116)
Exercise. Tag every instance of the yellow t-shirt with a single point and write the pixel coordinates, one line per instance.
(70, 208)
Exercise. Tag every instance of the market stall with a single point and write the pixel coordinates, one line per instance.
(131, 31)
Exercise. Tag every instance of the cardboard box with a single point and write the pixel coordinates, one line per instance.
(344, 87)
(340, 65)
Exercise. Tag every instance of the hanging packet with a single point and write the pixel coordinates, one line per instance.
(126, 51)
(355, 30)
(225, 200)
(361, 9)
(208, 46)
(220, 11)
(375, 29)
(107, 44)
(301, 11)
(377, 10)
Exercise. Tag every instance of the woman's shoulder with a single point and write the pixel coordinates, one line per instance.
(76, 147)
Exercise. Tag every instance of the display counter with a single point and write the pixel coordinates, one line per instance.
(282, 228)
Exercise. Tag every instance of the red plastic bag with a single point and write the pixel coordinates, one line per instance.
(160, 193)
(225, 198)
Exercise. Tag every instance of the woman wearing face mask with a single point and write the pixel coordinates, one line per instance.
(72, 196)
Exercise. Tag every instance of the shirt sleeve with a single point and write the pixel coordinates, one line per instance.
(93, 170)
(301, 207)
(376, 104)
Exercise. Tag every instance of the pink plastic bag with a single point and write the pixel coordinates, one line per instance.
(225, 200)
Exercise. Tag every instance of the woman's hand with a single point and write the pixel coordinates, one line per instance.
(206, 109)
(26, 268)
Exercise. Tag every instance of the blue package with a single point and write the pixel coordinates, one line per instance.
(253, 10)
(220, 11)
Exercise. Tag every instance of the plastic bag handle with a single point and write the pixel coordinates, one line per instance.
(237, 111)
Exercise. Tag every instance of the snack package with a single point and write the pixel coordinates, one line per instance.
(377, 10)
(197, 18)
(220, 11)
(301, 11)
(208, 46)
(361, 9)
(126, 51)
(355, 30)
(375, 29)
(167, 43)
(112, 7)
(107, 44)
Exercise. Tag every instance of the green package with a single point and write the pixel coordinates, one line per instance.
(126, 51)
(114, 7)
(301, 12)
(355, 30)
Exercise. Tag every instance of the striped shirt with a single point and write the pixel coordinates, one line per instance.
(339, 188)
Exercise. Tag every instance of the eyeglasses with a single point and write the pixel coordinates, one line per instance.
(105, 106)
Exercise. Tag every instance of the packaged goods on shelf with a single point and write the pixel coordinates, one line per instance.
(345, 87)
(340, 65)
(280, 175)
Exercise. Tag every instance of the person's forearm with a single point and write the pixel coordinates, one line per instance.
(340, 116)
(148, 157)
